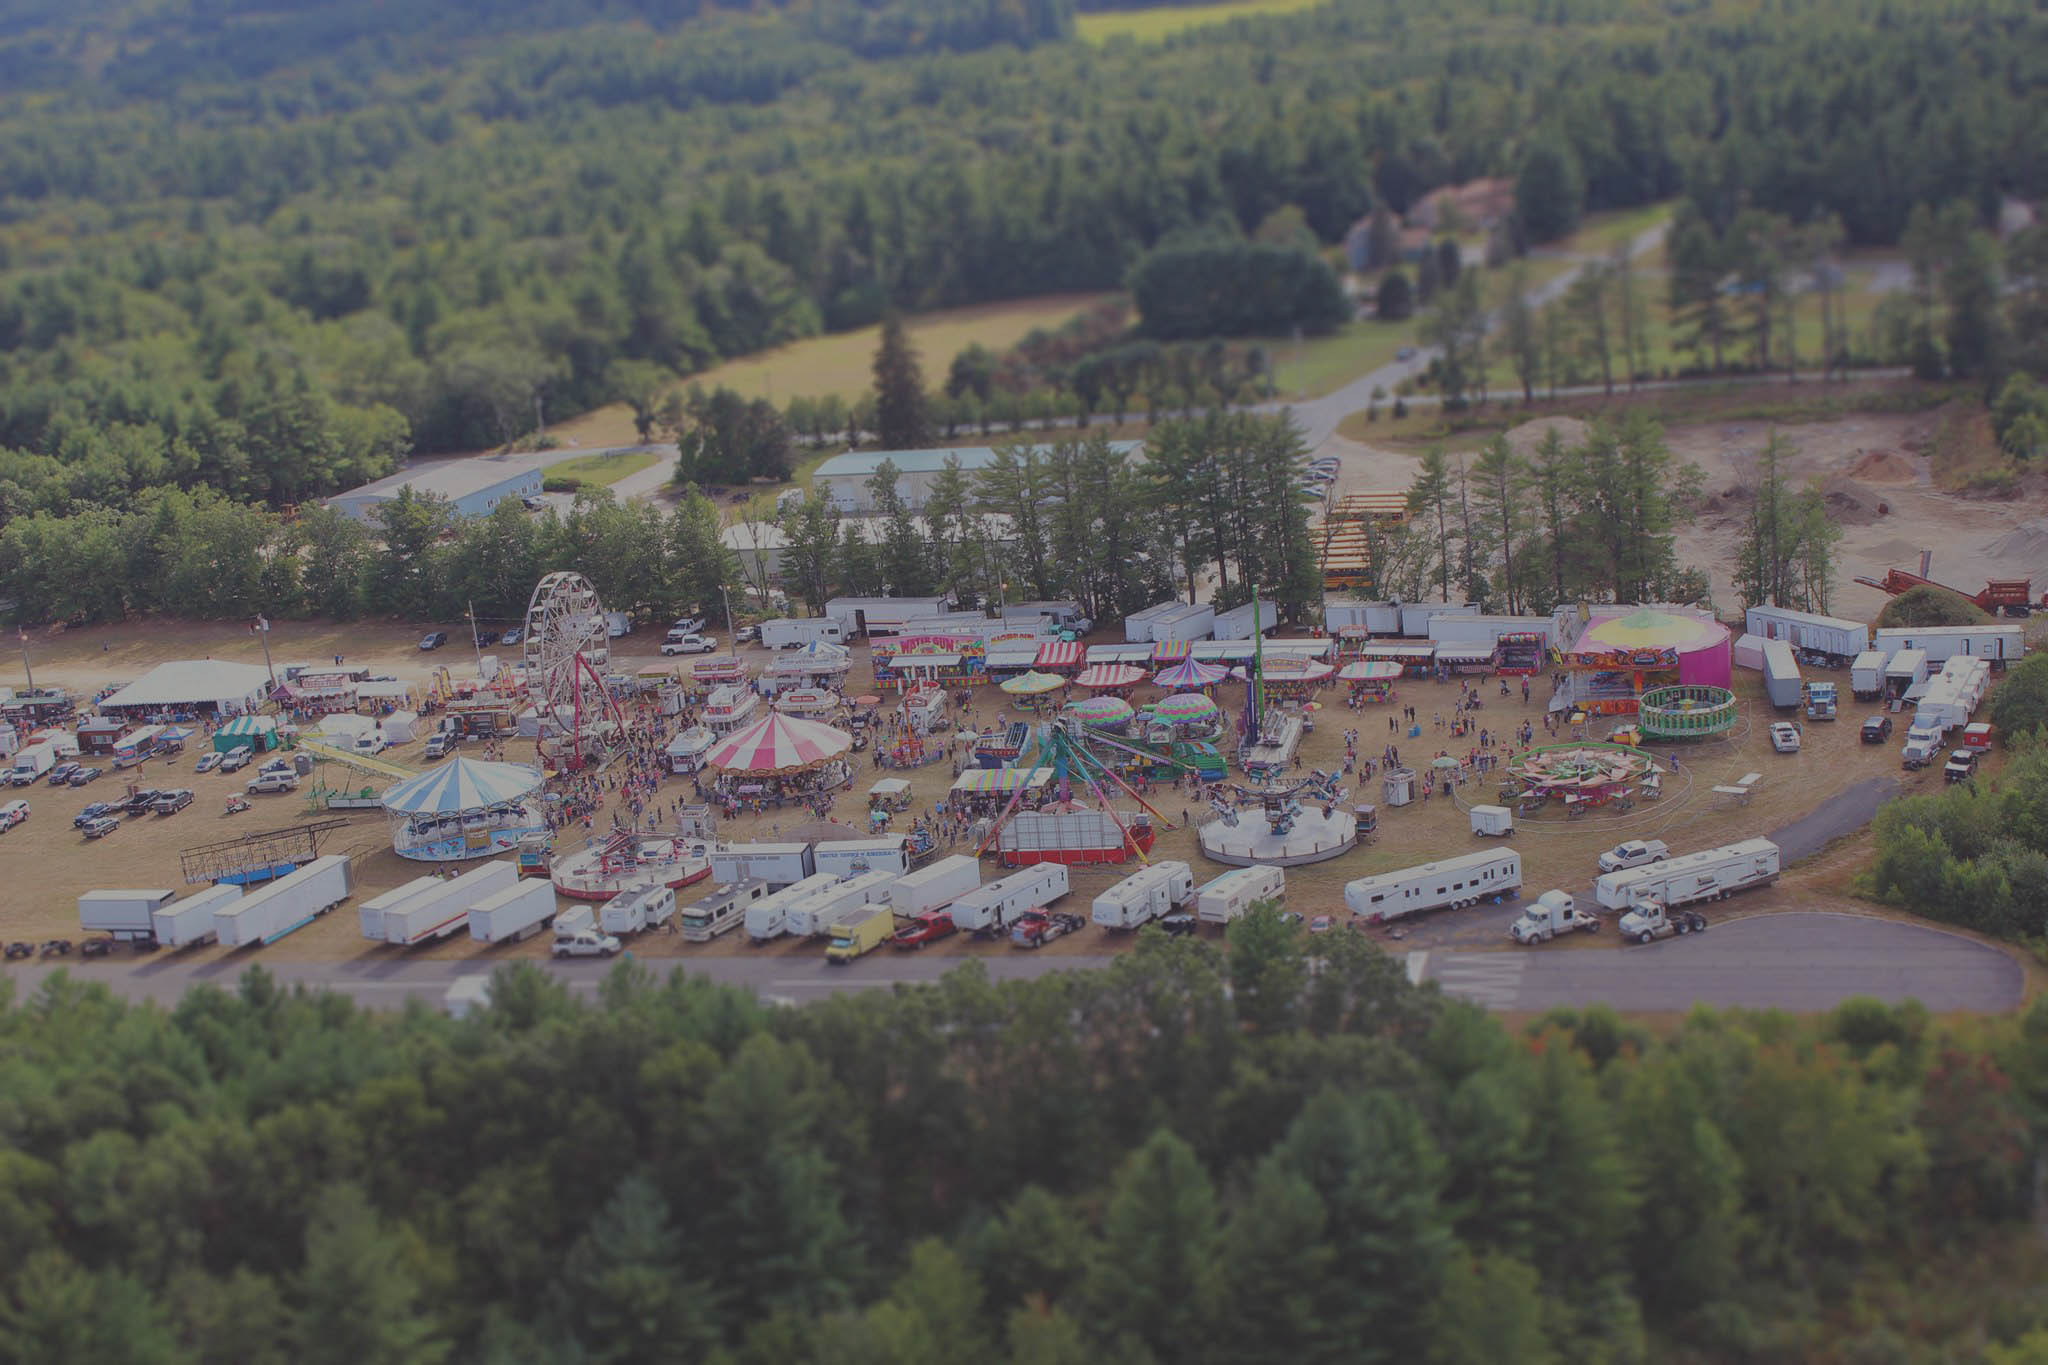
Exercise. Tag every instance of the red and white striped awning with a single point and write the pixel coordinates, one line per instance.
(1111, 675)
(778, 744)
(1059, 654)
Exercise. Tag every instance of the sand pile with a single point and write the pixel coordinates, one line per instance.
(2026, 543)
(1883, 466)
(1851, 504)
(1524, 439)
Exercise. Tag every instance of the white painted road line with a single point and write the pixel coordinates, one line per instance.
(1493, 980)
(1418, 967)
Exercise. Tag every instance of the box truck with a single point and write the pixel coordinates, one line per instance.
(1782, 683)
(1866, 674)
(442, 913)
(31, 763)
(1233, 893)
(824, 906)
(793, 632)
(995, 906)
(799, 902)
(1145, 895)
(636, 911)
(779, 865)
(519, 911)
(722, 910)
(292, 902)
(769, 917)
(184, 923)
(854, 857)
(860, 932)
(370, 914)
(1447, 884)
(124, 915)
(1709, 874)
(936, 886)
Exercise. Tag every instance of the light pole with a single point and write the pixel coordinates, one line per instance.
(262, 633)
(732, 633)
(475, 643)
(25, 664)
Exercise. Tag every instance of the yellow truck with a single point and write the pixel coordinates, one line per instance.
(858, 932)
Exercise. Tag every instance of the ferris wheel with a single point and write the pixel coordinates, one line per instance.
(568, 650)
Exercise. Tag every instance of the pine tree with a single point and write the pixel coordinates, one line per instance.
(1156, 1274)
(361, 1290)
(1431, 492)
(901, 420)
(622, 1296)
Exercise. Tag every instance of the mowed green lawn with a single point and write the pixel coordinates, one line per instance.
(1318, 365)
(1154, 25)
(602, 469)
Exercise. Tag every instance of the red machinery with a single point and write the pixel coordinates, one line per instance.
(1999, 596)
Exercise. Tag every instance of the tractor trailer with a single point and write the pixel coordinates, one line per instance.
(292, 902)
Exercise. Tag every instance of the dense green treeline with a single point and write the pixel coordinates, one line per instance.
(1184, 1157)
(475, 236)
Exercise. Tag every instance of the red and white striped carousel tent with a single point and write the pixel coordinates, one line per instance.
(778, 744)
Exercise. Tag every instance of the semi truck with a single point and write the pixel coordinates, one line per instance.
(1650, 920)
(182, 924)
(127, 916)
(1820, 701)
(1710, 874)
(292, 902)
(722, 910)
(936, 886)
(1551, 914)
(1447, 884)
(519, 911)
(443, 913)
(638, 910)
(858, 933)
(1145, 895)
(768, 917)
(1230, 895)
(999, 904)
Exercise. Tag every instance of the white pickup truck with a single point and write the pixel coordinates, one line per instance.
(1634, 853)
(586, 943)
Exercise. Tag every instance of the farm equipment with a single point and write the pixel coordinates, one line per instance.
(1999, 596)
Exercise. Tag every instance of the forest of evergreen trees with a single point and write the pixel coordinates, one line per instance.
(1182, 1158)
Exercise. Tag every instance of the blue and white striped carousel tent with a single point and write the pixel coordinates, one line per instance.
(461, 784)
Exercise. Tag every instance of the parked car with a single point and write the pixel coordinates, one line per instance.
(486, 638)
(687, 625)
(81, 776)
(928, 927)
(586, 943)
(61, 774)
(748, 635)
(272, 782)
(433, 639)
(139, 802)
(440, 744)
(1962, 763)
(12, 814)
(235, 759)
(1785, 737)
(688, 644)
(1322, 924)
(207, 762)
(276, 765)
(171, 802)
(1177, 924)
(1405, 353)
(512, 636)
(1634, 853)
(1877, 729)
(92, 813)
(102, 827)
(531, 503)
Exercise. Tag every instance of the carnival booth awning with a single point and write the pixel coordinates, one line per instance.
(1060, 654)
(1287, 670)
(778, 744)
(1111, 675)
(1139, 655)
(1370, 670)
(1002, 781)
(1191, 673)
(256, 733)
(1185, 708)
(1032, 684)
(1099, 711)
(1008, 659)
(1171, 651)
(462, 784)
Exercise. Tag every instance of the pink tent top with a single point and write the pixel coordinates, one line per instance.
(1190, 673)
(1059, 654)
(778, 744)
(1111, 675)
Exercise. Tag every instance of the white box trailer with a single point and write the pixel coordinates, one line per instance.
(789, 632)
(799, 905)
(853, 857)
(1707, 875)
(1145, 895)
(1138, 625)
(2003, 644)
(779, 865)
(1375, 618)
(1749, 652)
(467, 995)
(935, 886)
(1836, 637)
(1866, 674)
(1416, 616)
(881, 615)
(1782, 683)
(128, 916)
(998, 904)
(292, 902)
(722, 910)
(1907, 670)
(442, 913)
(1230, 895)
(370, 914)
(638, 910)
(822, 908)
(519, 911)
(769, 917)
(1239, 624)
(31, 763)
(1186, 624)
(189, 921)
(1446, 884)
(1484, 632)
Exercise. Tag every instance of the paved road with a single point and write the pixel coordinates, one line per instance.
(1800, 961)
(1844, 814)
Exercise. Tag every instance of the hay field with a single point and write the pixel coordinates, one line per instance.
(1155, 25)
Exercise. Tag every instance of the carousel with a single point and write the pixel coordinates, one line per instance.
(1029, 689)
(1191, 675)
(624, 861)
(781, 759)
(464, 809)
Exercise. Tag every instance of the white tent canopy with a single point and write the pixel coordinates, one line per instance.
(227, 687)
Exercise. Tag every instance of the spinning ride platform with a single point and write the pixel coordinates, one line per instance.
(630, 860)
(1313, 838)
(1688, 711)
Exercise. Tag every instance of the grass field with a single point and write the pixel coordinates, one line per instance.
(1320, 365)
(1154, 25)
(1600, 233)
(602, 469)
(841, 363)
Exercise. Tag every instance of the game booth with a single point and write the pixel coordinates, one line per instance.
(466, 808)
(913, 661)
(1285, 678)
(1370, 679)
(1626, 652)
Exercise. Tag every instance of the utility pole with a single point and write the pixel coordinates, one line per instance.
(25, 664)
(262, 633)
(474, 643)
(732, 632)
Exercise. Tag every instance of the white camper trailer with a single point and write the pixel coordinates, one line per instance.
(1230, 895)
(997, 905)
(1839, 639)
(1447, 884)
(768, 918)
(1145, 895)
(1709, 874)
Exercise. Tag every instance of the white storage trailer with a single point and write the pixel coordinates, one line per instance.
(779, 865)
(1907, 670)
(998, 904)
(789, 632)
(2002, 644)
(441, 913)
(935, 886)
(519, 911)
(1185, 624)
(125, 915)
(1707, 875)
(268, 913)
(1866, 674)
(799, 905)
(853, 857)
(370, 914)
(1230, 895)
(184, 923)
(1138, 625)
(1238, 623)
(881, 615)
(1416, 616)
(1145, 895)
(769, 917)
(1838, 638)
(1375, 618)
(722, 910)
(638, 910)
(824, 907)
(1446, 884)
(1782, 683)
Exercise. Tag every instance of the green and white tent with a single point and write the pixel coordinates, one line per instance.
(257, 734)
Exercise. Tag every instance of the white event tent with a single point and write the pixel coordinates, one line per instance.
(194, 685)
